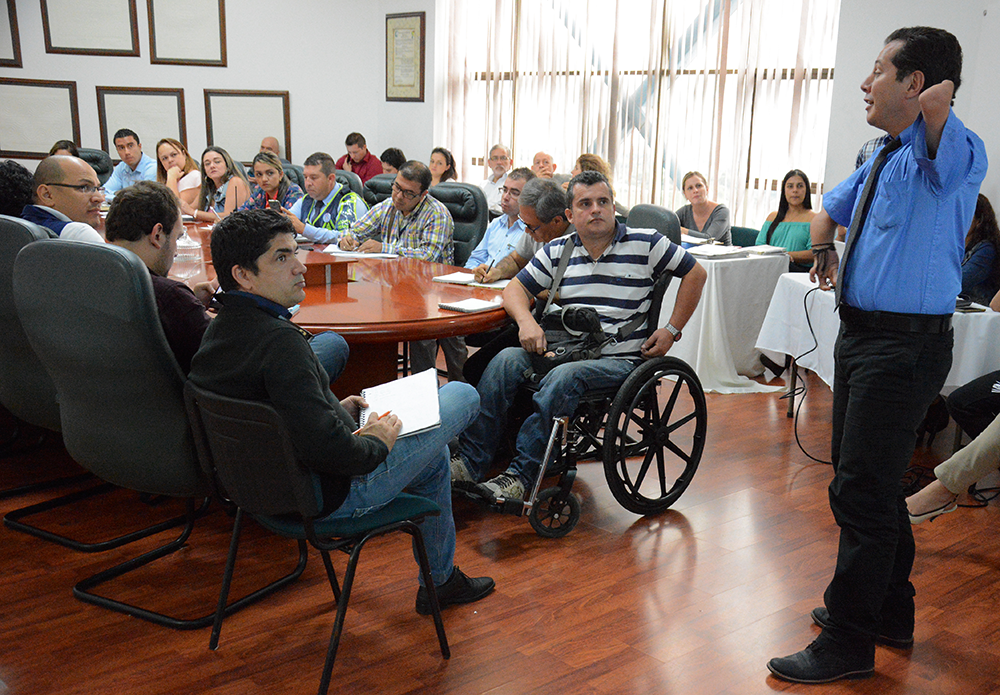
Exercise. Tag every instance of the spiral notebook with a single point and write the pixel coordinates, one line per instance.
(472, 305)
(413, 399)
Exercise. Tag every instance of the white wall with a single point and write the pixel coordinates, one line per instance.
(863, 28)
(328, 54)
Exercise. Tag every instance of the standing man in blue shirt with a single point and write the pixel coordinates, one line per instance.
(897, 286)
(504, 232)
(135, 166)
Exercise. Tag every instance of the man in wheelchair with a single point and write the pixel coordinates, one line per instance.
(609, 268)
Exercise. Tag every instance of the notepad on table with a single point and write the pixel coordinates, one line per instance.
(462, 278)
(712, 251)
(765, 250)
(472, 305)
(413, 399)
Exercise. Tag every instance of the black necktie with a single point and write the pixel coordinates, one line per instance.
(861, 210)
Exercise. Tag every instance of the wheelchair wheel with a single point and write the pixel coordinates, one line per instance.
(552, 518)
(654, 435)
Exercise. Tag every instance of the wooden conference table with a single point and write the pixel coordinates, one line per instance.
(385, 302)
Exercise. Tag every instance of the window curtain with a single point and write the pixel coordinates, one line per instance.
(739, 90)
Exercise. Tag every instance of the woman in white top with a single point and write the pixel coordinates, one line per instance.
(224, 186)
(176, 169)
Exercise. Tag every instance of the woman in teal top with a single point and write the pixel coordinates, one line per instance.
(789, 226)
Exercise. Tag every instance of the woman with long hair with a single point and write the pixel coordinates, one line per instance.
(788, 227)
(442, 166)
(701, 217)
(176, 169)
(272, 184)
(224, 186)
(981, 264)
(64, 147)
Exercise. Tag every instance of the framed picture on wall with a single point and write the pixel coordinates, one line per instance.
(404, 56)
(35, 114)
(91, 27)
(187, 32)
(152, 113)
(237, 120)
(10, 42)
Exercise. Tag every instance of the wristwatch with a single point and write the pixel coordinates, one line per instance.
(676, 332)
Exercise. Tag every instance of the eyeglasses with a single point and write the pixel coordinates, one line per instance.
(500, 158)
(84, 188)
(529, 228)
(409, 195)
(514, 192)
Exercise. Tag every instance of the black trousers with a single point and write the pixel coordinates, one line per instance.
(884, 382)
(975, 405)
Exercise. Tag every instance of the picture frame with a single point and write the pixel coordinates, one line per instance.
(36, 113)
(405, 39)
(91, 27)
(187, 32)
(152, 113)
(10, 53)
(238, 119)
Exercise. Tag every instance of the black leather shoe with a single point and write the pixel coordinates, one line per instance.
(818, 663)
(458, 589)
(898, 639)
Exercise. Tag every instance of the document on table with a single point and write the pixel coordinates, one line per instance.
(765, 250)
(712, 251)
(472, 305)
(413, 399)
(462, 278)
(335, 250)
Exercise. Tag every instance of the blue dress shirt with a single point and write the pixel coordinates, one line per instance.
(497, 243)
(124, 176)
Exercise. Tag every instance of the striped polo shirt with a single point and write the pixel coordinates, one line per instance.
(617, 285)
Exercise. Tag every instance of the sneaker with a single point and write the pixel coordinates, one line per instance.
(460, 472)
(818, 663)
(900, 639)
(458, 589)
(505, 485)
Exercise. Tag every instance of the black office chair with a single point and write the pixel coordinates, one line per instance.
(467, 204)
(100, 160)
(744, 236)
(295, 175)
(645, 216)
(246, 447)
(351, 180)
(90, 315)
(378, 188)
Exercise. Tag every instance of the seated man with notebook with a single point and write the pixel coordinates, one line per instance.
(253, 351)
(602, 265)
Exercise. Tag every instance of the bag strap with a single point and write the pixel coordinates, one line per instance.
(560, 271)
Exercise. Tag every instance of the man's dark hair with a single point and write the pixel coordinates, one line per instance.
(416, 171)
(322, 160)
(521, 174)
(17, 186)
(356, 139)
(934, 52)
(241, 238)
(125, 133)
(140, 207)
(586, 178)
(545, 197)
(394, 157)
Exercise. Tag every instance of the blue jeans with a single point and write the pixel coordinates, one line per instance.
(419, 465)
(559, 395)
(332, 351)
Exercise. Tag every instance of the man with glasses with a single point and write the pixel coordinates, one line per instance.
(505, 231)
(412, 224)
(67, 199)
(499, 163)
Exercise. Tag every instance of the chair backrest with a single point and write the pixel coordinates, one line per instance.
(26, 389)
(295, 174)
(100, 160)
(89, 313)
(378, 188)
(352, 181)
(645, 216)
(467, 204)
(744, 236)
(245, 448)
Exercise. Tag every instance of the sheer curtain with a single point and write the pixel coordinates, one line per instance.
(737, 89)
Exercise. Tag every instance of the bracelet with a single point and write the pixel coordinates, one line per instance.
(828, 246)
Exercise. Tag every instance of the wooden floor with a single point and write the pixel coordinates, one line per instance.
(693, 601)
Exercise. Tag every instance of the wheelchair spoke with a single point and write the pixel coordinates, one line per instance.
(680, 423)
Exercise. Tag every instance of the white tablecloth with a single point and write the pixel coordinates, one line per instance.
(785, 331)
(718, 341)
